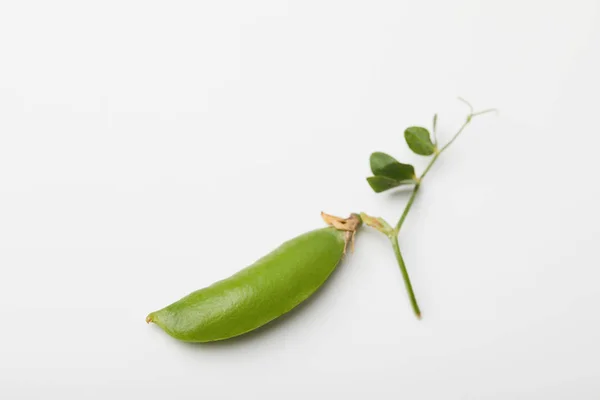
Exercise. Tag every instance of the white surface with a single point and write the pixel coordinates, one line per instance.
(150, 148)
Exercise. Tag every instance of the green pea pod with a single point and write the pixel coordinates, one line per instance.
(265, 290)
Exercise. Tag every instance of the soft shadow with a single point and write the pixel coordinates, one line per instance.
(271, 328)
(402, 192)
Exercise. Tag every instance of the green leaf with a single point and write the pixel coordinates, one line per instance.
(385, 165)
(381, 183)
(419, 141)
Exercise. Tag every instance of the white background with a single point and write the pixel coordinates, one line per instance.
(150, 148)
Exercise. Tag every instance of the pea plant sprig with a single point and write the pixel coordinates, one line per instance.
(388, 173)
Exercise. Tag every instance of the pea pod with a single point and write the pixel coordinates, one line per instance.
(265, 290)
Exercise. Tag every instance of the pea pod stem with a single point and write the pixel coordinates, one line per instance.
(411, 200)
(379, 223)
(403, 270)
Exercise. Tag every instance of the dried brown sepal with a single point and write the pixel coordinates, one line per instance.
(349, 225)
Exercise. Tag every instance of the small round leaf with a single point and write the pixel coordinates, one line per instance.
(419, 141)
(385, 165)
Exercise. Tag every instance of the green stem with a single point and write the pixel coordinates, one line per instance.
(435, 157)
(407, 208)
(394, 239)
(433, 160)
(394, 235)
(409, 289)
(462, 128)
